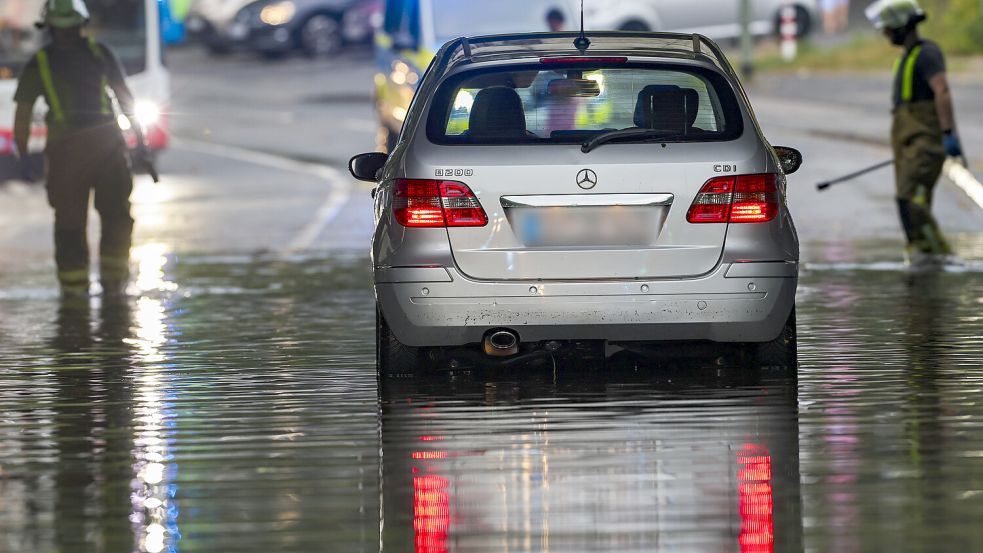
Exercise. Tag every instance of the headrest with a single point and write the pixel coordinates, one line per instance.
(497, 112)
(667, 107)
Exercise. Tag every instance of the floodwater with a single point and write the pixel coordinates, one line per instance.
(231, 404)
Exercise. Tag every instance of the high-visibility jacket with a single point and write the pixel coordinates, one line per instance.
(51, 92)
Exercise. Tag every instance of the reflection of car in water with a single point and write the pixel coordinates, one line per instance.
(131, 29)
(717, 19)
(412, 30)
(592, 462)
(541, 199)
(316, 27)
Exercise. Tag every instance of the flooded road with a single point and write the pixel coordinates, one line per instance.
(231, 404)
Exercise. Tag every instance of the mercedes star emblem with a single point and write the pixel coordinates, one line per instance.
(586, 179)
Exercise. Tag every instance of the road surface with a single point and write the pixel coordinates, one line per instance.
(231, 404)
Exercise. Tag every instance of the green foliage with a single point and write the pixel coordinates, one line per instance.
(956, 24)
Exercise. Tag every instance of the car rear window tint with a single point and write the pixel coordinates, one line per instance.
(570, 104)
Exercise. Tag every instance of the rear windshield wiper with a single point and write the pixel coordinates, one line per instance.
(644, 134)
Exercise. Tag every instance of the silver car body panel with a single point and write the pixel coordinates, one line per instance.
(720, 282)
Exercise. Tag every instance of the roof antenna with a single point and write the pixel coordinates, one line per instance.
(582, 43)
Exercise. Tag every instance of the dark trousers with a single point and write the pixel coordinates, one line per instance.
(916, 137)
(85, 161)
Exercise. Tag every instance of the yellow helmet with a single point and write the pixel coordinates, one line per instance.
(65, 13)
(895, 14)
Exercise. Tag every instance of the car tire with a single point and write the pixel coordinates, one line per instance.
(634, 25)
(782, 352)
(803, 21)
(392, 356)
(320, 36)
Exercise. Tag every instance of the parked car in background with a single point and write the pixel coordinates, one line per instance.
(280, 26)
(717, 19)
(316, 27)
(210, 22)
(361, 21)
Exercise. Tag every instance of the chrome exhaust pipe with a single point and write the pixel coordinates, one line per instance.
(501, 343)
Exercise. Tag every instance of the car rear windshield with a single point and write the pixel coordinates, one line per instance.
(572, 103)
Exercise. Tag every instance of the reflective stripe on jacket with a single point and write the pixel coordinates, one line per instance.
(54, 103)
(907, 63)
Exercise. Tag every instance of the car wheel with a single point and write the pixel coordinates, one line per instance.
(782, 352)
(803, 22)
(392, 356)
(634, 25)
(321, 36)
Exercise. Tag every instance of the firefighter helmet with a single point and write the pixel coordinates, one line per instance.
(65, 13)
(895, 14)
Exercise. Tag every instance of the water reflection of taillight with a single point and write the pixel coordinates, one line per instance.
(431, 513)
(757, 522)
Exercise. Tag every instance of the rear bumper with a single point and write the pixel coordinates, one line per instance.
(746, 302)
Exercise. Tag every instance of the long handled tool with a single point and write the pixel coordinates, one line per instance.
(151, 170)
(851, 176)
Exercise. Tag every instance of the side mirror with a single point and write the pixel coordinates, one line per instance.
(367, 166)
(789, 158)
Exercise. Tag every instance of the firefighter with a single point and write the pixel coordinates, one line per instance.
(85, 151)
(923, 128)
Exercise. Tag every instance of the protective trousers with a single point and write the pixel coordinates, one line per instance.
(916, 137)
(89, 160)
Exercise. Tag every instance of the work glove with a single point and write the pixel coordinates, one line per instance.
(950, 141)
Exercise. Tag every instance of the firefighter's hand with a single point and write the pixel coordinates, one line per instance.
(950, 141)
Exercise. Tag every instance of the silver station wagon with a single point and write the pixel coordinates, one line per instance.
(547, 198)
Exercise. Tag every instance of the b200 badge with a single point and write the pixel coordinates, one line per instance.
(453, 172)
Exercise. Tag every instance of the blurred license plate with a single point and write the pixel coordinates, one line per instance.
(589, 226)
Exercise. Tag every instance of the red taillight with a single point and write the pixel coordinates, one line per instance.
(736, 199)
(712, 204)
(435, 204)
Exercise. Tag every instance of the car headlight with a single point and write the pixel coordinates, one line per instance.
(147, 113)
(278, 13)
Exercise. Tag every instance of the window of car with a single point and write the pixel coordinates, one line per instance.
(559, 104)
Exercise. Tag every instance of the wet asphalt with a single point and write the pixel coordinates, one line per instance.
(235, 407)
(230, 401)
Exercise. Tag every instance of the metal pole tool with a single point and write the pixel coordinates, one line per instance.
(851, 176)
